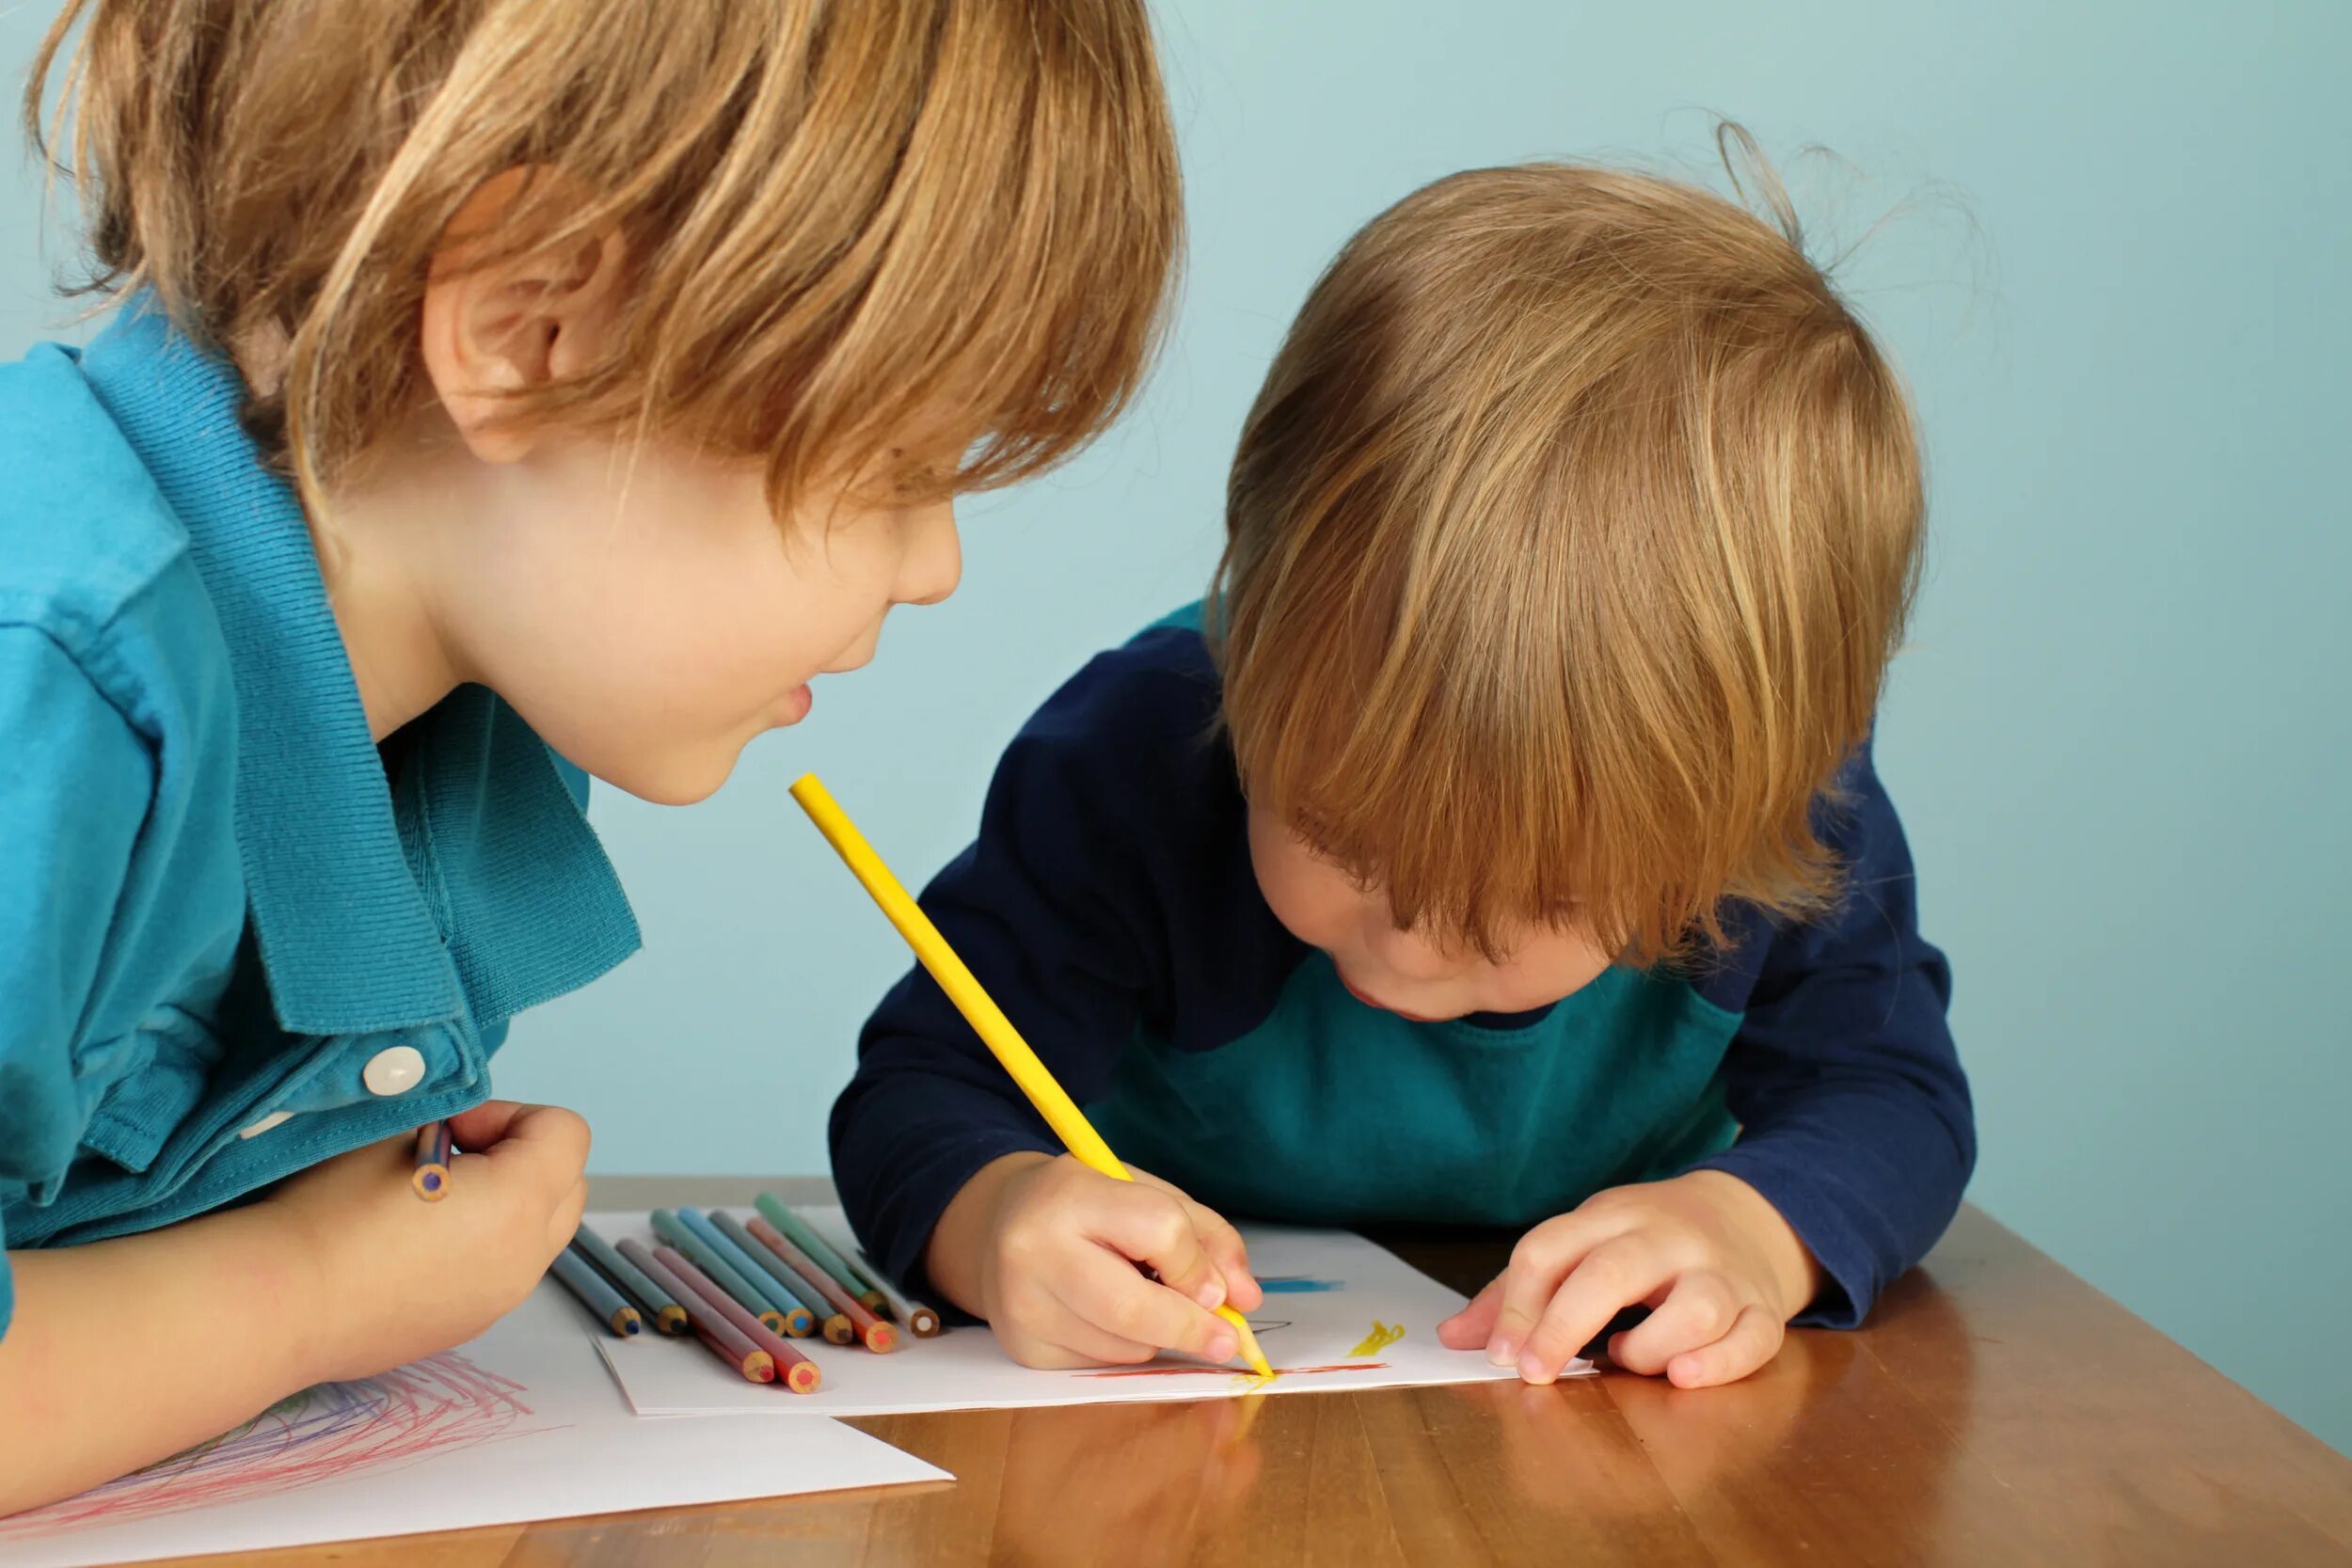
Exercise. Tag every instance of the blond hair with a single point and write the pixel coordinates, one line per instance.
(1567, 544)
(837, 215)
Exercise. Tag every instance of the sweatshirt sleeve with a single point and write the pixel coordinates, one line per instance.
(1052, 909)
(73, 797)
(1854, 1115)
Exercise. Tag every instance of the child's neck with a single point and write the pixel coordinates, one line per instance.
(381, 548)
(377, 551)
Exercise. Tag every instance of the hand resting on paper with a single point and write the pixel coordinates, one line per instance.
(1046, 1250)
(1720, 1270)
(125, 1352)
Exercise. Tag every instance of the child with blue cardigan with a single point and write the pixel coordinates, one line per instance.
(495, 395)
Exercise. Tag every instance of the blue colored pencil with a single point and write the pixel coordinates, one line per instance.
(788, 1285)
(747, 1295)
(595, 1293)
(666, 1313)
(799, 1322)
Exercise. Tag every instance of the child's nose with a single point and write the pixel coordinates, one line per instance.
(933, 564)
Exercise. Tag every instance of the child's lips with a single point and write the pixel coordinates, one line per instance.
(797, 703)
(1375, 1001)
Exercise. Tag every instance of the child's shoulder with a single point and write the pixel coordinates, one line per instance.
(1158, 691)
(84, 530)
(1132, 736)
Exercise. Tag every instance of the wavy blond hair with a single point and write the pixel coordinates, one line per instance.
(836, 213)
(1567, 544)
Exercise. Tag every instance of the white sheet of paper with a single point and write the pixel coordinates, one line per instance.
(1330, 1297)
(523, 1423)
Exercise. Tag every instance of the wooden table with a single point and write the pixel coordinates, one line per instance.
(1996, 1411)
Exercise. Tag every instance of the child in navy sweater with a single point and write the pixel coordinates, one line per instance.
(1501, 847)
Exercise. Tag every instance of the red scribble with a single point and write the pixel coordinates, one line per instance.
(1228, 1372)
(442, 1403)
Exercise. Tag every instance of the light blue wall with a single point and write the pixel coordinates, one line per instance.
(2119, 736)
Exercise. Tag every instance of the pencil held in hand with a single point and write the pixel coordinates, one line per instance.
(433, 1156)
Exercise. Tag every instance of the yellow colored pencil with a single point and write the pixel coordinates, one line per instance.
(987, 1021)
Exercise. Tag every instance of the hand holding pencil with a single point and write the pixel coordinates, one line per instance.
(386, 1279)
(1088, 1234)
(1047, 1251)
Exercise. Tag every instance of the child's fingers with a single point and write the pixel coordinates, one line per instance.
(1539, 1264)
(1474, 1324)
(486, 1123)
(1089, 1345)
(1112, 1296)
(1615, 1274)
(545, 1143)
(1063, 1341)
(1228, 1253)
(1755, 1338)
(1151, 1226)
(1698, 1310)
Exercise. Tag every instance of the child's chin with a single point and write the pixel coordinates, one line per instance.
(680, 783)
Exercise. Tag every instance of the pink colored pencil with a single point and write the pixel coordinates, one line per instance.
(726, 1340)
(798, 1373)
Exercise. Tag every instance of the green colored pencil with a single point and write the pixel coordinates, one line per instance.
(798, 1232)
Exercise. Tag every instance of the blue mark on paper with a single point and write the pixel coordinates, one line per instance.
(1297, 1284)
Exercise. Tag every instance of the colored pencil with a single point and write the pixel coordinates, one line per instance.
(724, 1341)
(433, 1156)
(802, 1235)
(921, 1320)
(987, 1021)
(837, 1326)
(772, 1267)
(595, 1293)
(742, 1291)
(800, 1319)
(796, 1371)
(652, 1300)
(874, 1334)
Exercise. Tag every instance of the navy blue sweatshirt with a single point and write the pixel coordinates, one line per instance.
(1111, 908)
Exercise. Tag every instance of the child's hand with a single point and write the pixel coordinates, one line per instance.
(399, 1277)
(1051, 1248)
(1720, 1268)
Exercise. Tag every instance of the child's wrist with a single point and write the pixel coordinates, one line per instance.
(290, 1270)
(1796, 1278)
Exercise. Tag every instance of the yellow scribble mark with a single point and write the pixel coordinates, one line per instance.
(1380, 1338)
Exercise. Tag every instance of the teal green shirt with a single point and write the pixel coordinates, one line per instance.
(235, 937)
(1328, 1112)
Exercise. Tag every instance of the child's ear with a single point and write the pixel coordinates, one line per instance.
(493, 331)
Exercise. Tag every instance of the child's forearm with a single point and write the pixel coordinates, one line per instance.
(958, 1244)
(125, 1352)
